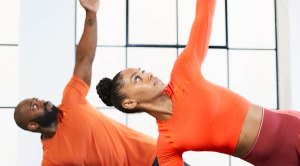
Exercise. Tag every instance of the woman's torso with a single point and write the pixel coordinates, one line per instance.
(250, 130)
(206, 117)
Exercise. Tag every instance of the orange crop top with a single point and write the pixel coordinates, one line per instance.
(206, 117)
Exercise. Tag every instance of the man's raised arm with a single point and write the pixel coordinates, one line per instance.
(86, 48)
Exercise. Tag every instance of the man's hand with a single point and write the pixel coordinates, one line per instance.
(90, 5)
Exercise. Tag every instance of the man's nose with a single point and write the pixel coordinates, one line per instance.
(42, 102)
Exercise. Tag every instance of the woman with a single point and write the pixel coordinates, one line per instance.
(194, 114)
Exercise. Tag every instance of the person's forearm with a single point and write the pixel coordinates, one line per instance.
(86, 49)
(201, 29)
(87, 45)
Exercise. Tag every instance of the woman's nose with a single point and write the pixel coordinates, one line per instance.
(149, 75)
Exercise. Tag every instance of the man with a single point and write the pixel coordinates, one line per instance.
(76, 133)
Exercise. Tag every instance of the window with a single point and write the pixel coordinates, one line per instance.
(151, 34)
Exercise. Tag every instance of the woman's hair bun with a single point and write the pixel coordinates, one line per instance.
(103, 91)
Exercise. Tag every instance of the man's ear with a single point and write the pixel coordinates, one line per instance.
(32, 126)
(129, 104)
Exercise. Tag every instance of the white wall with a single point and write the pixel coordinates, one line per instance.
(288, 14)
(9, 73)
(47, 44)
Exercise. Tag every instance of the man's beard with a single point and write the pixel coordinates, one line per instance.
(48, 117)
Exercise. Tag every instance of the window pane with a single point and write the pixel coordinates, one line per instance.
(206, 158)
(9, 71)
(152, 22)
(218, 35)
(253, 75)
(215, 67)
(144, 123)
(108, 62)
(159, 61)
(9, 21)
(9, 140)
(186, 15)
(114, 114)
(251, 24)
(111, 22)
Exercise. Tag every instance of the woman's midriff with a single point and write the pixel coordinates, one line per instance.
(250, 131)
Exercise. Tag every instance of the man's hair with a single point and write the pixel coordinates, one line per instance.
(18, 115)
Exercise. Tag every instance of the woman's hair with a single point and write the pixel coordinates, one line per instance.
(109, 92)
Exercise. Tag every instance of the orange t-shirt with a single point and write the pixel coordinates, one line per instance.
(206, 117)
(85, 136)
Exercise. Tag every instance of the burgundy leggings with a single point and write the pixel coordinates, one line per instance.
(278, 143)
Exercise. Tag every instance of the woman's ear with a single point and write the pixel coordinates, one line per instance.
(129, 104)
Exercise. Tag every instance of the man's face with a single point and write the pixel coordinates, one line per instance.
(49, 115)
(38, 111)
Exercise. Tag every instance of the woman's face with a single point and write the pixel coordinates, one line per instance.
(141, 86)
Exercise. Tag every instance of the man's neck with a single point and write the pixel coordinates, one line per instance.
(49, 132)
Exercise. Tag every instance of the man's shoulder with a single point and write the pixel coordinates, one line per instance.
(77, 87)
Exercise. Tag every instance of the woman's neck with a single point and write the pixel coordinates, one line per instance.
(161, 109)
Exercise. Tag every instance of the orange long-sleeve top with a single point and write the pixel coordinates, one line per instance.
(86, 137)
(206, 117)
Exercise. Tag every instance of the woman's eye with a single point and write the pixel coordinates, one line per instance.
(137, 79)
(143, 71)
